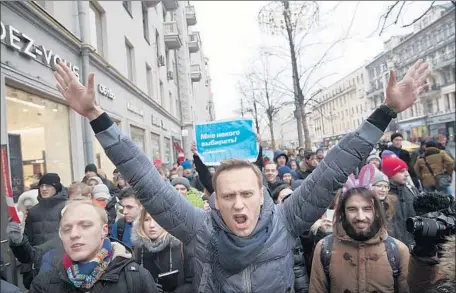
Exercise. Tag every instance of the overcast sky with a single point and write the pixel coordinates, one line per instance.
(231, 37)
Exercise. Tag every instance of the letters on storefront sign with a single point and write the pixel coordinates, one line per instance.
(158, 122)
(441, 119)
(106, 92)
(135, 109)
(25, 45)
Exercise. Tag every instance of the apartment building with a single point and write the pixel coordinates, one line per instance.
(150, 73)
(433, 40)
(337, 109)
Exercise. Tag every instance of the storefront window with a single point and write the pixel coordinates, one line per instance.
(155, 143)
(101, 159)
(137, 135)
(39, 138)
(167, 151)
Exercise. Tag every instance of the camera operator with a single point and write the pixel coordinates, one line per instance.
(432, 262)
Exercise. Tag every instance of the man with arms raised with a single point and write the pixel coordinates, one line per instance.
(245, 243)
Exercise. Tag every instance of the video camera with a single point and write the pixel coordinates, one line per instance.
(435, 224)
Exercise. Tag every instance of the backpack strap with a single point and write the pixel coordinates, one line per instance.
(120, 228)
(392, 252)
(132, 277)
(325, 254)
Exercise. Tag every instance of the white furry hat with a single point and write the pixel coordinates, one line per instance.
(27, 199)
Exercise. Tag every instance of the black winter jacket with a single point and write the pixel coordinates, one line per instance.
(301, 284)
(404, 209)
(114, 280)
(158, 261)
(42, 223)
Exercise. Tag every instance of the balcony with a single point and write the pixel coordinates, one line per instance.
(195, 72)
(193, 42)
(374, 92)
(431, 91)
(170, 4)
(150, 3)
(190, 15)
(172, 38)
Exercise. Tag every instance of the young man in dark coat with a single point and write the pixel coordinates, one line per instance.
(91, 262)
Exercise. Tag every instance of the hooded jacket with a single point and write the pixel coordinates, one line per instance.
(113, 280)
(158, 259)
(42, 222)
(440, 163)
(358, 266)
(403, 210)
(198, 229)
(427, 275)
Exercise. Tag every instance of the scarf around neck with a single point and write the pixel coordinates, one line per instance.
(85, 275)
(233, 253)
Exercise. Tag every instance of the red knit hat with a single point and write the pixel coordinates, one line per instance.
(391, 165)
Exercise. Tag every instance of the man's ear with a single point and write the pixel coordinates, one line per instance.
(104, 231)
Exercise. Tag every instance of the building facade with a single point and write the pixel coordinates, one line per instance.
(142, 55)
(433, 40)
(337, 109)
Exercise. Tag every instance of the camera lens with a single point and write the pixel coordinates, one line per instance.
(414, 225)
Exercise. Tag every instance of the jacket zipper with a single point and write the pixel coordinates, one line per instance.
(247, 281)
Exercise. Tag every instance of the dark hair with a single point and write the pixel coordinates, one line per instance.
(309, 154)
(126, 193)
(368, 195)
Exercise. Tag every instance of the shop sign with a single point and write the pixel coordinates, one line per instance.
(105, 91)
(408, 125)
(155, 120)
(441, 119)
(25, 45)
(158, 122)
(135, 109)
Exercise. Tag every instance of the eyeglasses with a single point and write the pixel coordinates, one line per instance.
(380, 187)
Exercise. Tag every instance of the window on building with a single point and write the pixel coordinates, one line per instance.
(162, 94)
(429, 107)
(171, 104)
(157, 43)
(167, 60)
(145, 19)
(130, 60)
(155, 146)
(127, 6)
(167, 151)
(96, 27)
(137, 136)
(149, 80)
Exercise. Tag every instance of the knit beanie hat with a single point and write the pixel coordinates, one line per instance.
(96, 178)
(379, 176)
(284, 170)
(181, 180)
(51, 179)
(373, 157)
(186, 164)
(391, 165)
(91, 168)
(396, 134)
(100, 191)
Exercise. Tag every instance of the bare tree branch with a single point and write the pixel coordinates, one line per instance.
(388, 12)
(421, 16)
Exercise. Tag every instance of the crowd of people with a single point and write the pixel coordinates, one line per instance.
(314, 223)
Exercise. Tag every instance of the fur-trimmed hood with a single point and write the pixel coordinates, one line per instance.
(152, 246)
(31, 197)
(447, 264)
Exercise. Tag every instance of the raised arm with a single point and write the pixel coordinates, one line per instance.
(205, 176)
(310, 200)
(172, 211)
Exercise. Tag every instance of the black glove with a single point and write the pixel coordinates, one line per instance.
(159, 288)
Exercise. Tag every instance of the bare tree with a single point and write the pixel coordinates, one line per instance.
(266, 95)
(394, 12)
(248, 102)
(297, 22)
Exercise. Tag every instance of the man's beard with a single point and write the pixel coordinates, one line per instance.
(362, 236)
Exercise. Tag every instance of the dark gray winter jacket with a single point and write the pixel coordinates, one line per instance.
(272, 270)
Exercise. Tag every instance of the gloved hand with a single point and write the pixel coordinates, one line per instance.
(14, 232)
(159, 288)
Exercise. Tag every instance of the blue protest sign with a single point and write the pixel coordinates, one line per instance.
(218, 141)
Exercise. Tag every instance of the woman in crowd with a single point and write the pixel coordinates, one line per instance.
(381, 187)
(161, 253)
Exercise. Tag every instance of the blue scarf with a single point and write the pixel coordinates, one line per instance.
(85, 275)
